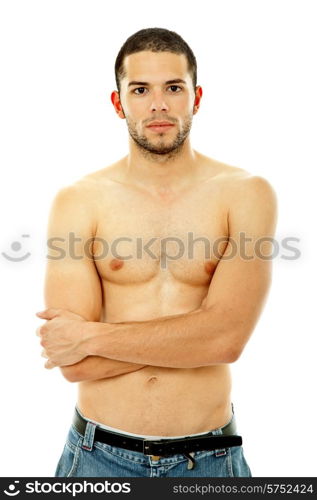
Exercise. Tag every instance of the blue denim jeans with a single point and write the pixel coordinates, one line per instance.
(84, 457)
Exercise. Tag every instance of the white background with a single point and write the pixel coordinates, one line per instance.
(257, 67)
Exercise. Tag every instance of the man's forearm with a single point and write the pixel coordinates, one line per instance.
(198, 338)
(98, 367)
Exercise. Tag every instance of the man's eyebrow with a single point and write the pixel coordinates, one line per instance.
(176, 80)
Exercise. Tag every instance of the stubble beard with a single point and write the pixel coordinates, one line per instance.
(161, 150)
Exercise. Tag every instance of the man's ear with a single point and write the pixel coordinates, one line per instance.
(115, 99)
(198, 96)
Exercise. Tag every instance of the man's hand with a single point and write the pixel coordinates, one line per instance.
(62, 337)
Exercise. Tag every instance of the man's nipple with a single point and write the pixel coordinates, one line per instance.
(116, 264)
(209, 267)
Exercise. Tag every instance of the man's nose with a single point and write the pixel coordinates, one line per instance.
(158, 102)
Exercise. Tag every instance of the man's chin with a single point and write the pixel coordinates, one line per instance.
(163, 148)
(162, 151)
(159, 147)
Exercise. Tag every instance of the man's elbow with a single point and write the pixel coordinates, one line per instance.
(233, 349)
(232, 355)
(71, 373)
(233, 352)
(224, 355)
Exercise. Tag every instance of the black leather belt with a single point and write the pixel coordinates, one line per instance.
(162, 447)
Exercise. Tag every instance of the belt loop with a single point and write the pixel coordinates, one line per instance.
(222, 451)
(89, 437)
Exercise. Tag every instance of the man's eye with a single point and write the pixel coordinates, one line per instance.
(143, 89)
(175, 87)
(139, 88)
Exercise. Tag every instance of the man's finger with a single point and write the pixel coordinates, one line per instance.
(49, 313)
(49, 364)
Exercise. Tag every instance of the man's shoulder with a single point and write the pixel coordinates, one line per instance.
(247, 186)
(104, 176)
(241, 190)
(250, 197)
(219, 171)
(89, 186)
(242, 181)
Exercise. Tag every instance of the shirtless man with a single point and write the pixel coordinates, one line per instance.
(147, 319)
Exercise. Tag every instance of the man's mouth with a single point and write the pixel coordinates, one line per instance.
(160, 127)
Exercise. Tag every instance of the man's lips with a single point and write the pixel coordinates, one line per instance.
(156, 126)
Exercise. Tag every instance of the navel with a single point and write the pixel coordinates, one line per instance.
(116, 264)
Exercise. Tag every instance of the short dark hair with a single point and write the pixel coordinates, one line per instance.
(155, 40)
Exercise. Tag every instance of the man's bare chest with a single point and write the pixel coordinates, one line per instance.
(140, 237)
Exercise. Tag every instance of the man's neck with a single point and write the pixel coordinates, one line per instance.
(168, 171)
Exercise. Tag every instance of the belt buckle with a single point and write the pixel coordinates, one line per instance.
(146, 447)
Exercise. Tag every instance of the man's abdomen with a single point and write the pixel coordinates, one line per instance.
(160, 401)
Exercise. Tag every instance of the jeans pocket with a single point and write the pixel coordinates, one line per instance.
(239, 465)
(68, 463)
(215, 463)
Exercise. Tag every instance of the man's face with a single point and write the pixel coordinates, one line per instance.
(151, 98)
